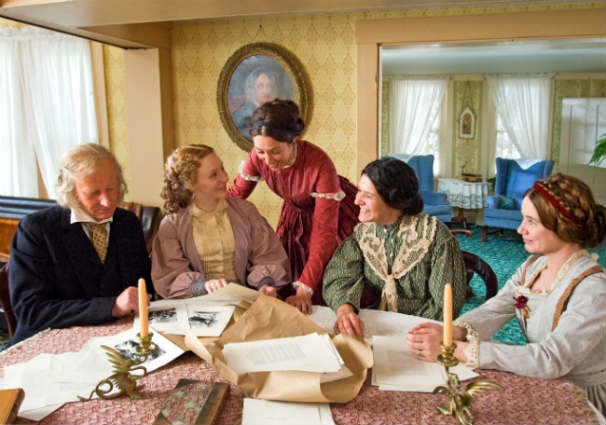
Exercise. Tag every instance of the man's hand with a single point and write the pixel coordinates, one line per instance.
(127, 302)
(349, 322)
(301, 300)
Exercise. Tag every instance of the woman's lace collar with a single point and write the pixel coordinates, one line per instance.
(526, 289)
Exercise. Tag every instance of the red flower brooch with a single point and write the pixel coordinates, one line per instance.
(521, 305)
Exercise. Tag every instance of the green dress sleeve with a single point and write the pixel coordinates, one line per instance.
(343, 279)
(447, 266)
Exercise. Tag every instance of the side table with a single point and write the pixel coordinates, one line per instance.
(464, 195)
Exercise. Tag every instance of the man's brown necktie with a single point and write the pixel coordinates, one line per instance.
(98, 236)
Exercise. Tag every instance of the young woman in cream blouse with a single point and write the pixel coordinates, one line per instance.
(558, 297)
(208, 238)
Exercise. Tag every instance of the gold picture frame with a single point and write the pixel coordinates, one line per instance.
(254, 74)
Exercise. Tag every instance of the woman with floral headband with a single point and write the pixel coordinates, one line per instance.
(208, 238)
(318, 210)
(558, 297)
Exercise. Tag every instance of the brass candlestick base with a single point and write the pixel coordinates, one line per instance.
(123, 377)
(146, 348)
(460, 401)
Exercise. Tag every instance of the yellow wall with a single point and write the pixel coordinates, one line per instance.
(113, 60)
(325, 46)
(8, 23)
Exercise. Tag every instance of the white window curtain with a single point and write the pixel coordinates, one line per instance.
(523, 103)
(415, 105)
(49, 105)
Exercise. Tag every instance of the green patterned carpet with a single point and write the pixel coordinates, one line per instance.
(504, 254)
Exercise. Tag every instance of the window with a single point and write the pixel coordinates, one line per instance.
(416, 105)
(505, 148)
(432, 143)
(47, 105)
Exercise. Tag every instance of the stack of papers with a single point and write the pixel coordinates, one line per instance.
(308, 353)
(263, 412)
(50, 380)
(376, 322)
(232, 292)
(196, 315)
(396, 368)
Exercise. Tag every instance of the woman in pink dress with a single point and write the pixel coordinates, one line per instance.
(318, 210)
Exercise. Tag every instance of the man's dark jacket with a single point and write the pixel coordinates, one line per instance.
(56, 277)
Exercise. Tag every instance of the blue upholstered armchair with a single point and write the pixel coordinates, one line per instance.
(435, 203)
(512, 182)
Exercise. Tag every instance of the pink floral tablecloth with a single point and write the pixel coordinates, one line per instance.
(522, 401)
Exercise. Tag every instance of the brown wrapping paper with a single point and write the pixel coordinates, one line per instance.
(269, 318)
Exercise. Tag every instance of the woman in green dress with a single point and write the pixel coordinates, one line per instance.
(398, 255)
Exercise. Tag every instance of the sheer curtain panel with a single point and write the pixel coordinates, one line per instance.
(523, 103)
(415, 105)
(50, 106)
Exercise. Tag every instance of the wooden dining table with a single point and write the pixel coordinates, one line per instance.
(522, 400)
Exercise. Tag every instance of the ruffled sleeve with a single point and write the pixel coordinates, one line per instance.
(247, 178)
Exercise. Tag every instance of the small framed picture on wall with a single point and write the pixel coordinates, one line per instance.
(467, 124)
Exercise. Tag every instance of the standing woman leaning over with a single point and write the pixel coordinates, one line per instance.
(208, 238)
(318, 210)
(558, 297)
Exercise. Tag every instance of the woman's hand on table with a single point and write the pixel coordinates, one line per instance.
(301, 300)
(269, 290)
(348, 322)
(214, 285)
(424, 341)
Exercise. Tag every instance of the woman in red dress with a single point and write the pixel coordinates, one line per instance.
(318, 210)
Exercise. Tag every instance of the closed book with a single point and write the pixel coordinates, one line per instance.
(193, 403)
(10, 400)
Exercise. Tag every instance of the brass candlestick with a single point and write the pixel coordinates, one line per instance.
(460, 401)
(123, 377)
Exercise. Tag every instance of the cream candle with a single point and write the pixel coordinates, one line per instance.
(447, 315)
(143, 308)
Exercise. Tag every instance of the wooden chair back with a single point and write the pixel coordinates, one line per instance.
(5, 302)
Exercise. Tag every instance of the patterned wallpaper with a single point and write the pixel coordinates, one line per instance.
(325, 46)
(467, 151)
(113, 59)
(9, 23)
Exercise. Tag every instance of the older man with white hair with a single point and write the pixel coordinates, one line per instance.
(78, 263)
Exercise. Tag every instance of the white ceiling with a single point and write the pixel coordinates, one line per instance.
(588, 55)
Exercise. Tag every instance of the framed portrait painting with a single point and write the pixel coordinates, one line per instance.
(257, 73)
